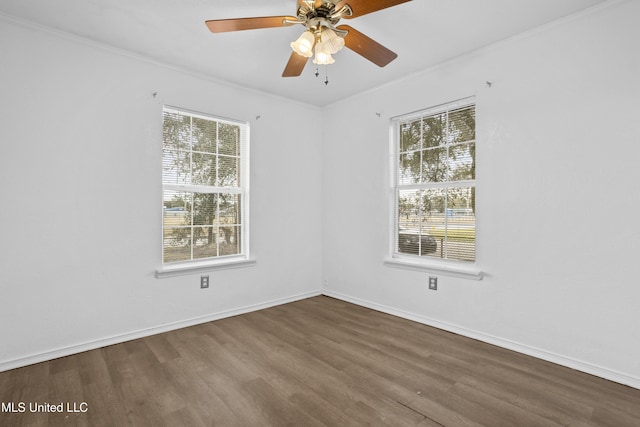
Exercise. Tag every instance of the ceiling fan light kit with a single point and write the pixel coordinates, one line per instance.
(322, 37)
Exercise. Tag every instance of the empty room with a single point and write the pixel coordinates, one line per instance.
(323, 212)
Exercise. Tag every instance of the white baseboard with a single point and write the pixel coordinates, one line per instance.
(116, 339)
(501, 342)
(558, 359)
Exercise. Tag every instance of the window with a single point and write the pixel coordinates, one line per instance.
(204, 188)
(434, 183)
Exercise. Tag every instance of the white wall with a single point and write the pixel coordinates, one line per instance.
(80, 166)
(557, 195)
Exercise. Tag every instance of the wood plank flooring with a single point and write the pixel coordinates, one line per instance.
(316, 362)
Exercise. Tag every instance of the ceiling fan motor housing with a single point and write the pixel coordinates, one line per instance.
(324, 15)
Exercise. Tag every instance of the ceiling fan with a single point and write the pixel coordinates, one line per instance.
(322, 36)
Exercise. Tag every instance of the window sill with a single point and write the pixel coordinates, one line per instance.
(446, 269)
(202, 267)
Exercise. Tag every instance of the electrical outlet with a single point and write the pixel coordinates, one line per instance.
(433, 283)
(204, 282)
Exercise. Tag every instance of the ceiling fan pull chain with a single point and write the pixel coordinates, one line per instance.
(317, 73)
(326, 76)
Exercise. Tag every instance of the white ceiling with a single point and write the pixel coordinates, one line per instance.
(422, 32)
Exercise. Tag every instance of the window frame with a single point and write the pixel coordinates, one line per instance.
(243, 258)
(395, 258)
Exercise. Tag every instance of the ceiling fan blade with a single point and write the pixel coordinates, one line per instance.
(367, 47)
(295, 65)
(226, 25)
(362, 7)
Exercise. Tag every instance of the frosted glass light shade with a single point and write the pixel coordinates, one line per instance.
(304, 45)
(331, 42)
(323, 58)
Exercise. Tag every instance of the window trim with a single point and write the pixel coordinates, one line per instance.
(194, 267)
(243, 259)
(447, 268)
(450, 267)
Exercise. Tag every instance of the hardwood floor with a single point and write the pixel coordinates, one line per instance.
(314, 362)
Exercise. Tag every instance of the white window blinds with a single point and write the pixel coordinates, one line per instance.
(205, 187)
(434, 188)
